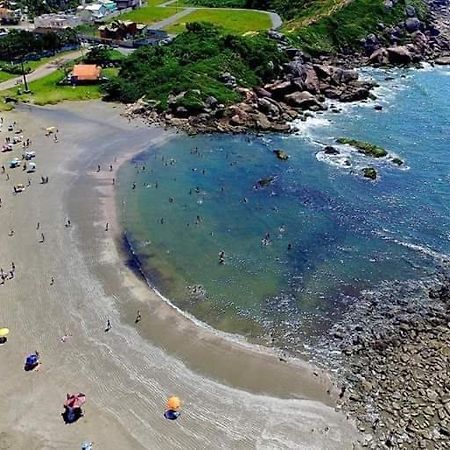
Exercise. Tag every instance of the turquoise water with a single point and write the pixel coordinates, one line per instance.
(330, 233)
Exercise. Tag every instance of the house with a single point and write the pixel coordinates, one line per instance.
(85, 73)
(111, 7)
(124, 4)
(92, 12)
(10, 16)
(56, 21)
(120, 30)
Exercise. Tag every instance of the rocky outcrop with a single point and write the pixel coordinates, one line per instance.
(394, 346)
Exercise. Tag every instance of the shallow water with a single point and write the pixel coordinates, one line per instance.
(330, 233)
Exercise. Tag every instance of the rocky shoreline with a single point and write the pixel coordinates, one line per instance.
(394, 361)
(307, 83)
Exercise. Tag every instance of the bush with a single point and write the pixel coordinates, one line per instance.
(193, 64)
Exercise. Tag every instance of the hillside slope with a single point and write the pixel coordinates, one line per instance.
(339, 25)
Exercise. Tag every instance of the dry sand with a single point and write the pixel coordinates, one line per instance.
(235, 396)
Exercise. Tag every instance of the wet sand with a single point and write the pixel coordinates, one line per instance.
(235, 395)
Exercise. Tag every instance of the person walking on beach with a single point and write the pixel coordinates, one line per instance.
(110, 168)
(42, 238)
(52, 281)
(138, 317)
(13, 266)
(98, 167)
(37, 226)
(107, 226)
(108, 326)
(11, 233)
(221, 257)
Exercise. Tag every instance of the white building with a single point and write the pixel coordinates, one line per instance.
(91, 12)
(56, 21)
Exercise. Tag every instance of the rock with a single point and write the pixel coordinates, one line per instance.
(280, 88)
(399, 55)
(261, 122)
(266, 181)
(442, 61)
(181, 111)
(211, 102)
(261, 92)
(340, 76)
(330, 150)
(281, 154)
(365, 148)
(397, 161)
(410, 11)
(269, 106)
(303, 100)
(237, 120)
(412, 24)
(172, 99)
(323, 71)
(378, 108)
(353, 95)
(369, 172)
(228, 79)
(379, 56)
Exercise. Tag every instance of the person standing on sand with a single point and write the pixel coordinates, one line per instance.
(107, 226)
(42, 237)
(7, 177)
(98, 167)
(108, 326)
(110, 168)
(113, 181)
(138, 317)
(52, 281)
(37, 226)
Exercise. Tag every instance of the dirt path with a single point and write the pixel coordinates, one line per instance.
(42, 71)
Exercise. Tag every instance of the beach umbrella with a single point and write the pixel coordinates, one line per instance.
(4, 332)
(75, 400)
(173, 403)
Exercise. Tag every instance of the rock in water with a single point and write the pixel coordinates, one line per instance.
(281, 154)
(330, 150)
(370, 172)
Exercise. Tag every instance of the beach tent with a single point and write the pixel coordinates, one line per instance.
(3, 333)
(75, 400)
(173, 403)
(31, 362)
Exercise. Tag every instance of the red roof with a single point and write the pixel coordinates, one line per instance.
(86, 72)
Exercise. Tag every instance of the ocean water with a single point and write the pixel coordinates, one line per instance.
(317, 234)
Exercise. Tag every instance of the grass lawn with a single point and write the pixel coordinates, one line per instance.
(4, 76)
(148, 14)
(47, 91)
(231, 20)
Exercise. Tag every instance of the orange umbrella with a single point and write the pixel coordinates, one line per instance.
(173, 403)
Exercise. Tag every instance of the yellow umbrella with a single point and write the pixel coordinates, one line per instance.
(4, 332)
(173, 403)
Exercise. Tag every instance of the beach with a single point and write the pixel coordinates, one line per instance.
(234, 395)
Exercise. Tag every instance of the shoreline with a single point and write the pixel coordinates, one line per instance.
(128, 372)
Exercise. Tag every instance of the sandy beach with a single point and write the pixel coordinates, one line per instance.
(235, 395)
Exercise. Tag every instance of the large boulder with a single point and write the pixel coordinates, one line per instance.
(303, 100)
(355, 94)
(442, 61)
(412, 24)
(261, 92)
(342, 76)
(269, 106)
(399, 55)
(410, 11)
(280, 88)
(379, 56)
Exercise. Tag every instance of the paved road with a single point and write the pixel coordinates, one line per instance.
(172, 19)
(42, 71)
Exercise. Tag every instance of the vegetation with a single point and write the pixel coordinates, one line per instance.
(38, 7)
(148, 14)
(232, 21)
(194, 64)
(338, 25)
(369, 172)
(103, 56)
(48, 90)
(364, 147)
(20, 44)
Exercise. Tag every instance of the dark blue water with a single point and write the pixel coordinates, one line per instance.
(318, 232)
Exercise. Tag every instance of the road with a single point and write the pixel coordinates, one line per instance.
(42, 71)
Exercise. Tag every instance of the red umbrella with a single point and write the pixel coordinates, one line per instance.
(75, 400)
